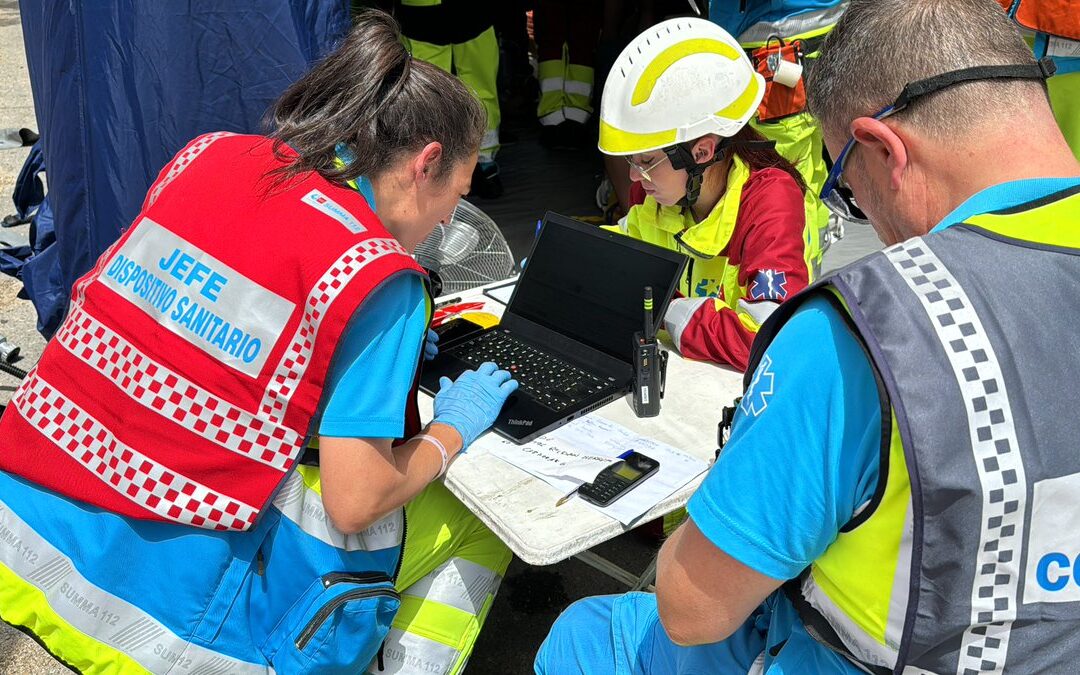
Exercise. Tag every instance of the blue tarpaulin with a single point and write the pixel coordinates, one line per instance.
(121, 85)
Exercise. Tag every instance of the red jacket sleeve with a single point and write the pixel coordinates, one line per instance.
(767, 245)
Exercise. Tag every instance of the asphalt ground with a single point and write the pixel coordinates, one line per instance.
(535, 180)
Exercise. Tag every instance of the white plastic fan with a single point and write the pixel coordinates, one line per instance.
(468, 252)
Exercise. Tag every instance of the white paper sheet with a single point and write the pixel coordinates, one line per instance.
(501, 293)
(574, 451)
(577, 452)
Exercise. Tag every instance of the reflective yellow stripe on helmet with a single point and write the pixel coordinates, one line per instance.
(618, 142)
(615, 141)
(647, 82)
(740, 106)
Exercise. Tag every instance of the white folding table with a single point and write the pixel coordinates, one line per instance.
(520, 508)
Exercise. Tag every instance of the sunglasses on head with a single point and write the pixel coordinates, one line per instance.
(837, 195)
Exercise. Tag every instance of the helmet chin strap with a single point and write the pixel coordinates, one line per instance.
(681, 157)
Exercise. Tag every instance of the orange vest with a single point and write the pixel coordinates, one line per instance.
(1054, 17)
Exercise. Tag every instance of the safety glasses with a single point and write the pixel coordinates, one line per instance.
(837, 196)
(644, 170)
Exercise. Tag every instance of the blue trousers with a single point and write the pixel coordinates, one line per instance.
(622, 634)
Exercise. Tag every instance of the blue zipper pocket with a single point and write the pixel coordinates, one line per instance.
(336, 626)
(327, 610)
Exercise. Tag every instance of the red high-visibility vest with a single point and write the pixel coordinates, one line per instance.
(184, 381)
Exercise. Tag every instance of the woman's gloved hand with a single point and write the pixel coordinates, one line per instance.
(431, 345)
(472, 403)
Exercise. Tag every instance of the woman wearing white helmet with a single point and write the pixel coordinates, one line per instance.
(676, 105)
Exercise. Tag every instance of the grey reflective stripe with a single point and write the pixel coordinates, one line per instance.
(759, 311)
(901, 590)
(458, 583)
(578, 88)
(551, 84)
(994, 444)
(572, 114)
(490, 139)
(678, 315)
(100, 614)
(793, 26)
(408, 653)
(1061, 48)
(303, 506)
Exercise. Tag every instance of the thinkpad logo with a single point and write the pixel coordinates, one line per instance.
(521, 423)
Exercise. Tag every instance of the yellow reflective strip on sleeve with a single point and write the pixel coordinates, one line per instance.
(615, 141)
(665, 59)
(24, 605)
(738, 108)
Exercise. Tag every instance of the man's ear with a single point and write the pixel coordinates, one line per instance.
(881, 143)
(426, 164)
(704, 149)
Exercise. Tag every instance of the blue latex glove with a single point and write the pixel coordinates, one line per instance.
(472, 403)
(431, 345)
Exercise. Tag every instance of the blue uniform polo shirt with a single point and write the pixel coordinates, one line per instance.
(375, 362)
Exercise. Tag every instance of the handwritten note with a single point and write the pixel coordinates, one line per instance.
(577, 452)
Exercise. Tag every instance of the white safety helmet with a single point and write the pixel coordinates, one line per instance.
(677, 81)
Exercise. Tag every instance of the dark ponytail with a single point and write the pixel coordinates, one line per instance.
(758, 158)
(371, 95)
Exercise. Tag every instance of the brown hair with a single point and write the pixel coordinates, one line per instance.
(758, 158)
(372, 96)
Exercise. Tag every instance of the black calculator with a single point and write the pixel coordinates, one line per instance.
(618, 479)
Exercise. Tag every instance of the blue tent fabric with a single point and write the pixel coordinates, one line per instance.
(30, 202)
(121, 85)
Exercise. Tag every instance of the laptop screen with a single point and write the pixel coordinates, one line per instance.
(588, 284)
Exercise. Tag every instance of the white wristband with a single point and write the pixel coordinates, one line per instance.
(442, 450)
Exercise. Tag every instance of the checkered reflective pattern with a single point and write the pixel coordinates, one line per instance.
(133, 475)
(183, 160)
(290, 370)
(997, 457)
(175, 397)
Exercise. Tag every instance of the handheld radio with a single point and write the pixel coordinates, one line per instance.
(650, 366)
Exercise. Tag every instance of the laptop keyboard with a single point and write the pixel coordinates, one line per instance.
(551, 381)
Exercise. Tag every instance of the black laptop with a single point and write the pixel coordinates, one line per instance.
(567, 333)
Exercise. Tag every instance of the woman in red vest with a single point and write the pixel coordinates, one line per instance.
(162, 454)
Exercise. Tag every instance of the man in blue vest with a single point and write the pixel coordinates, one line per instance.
(901, 485)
